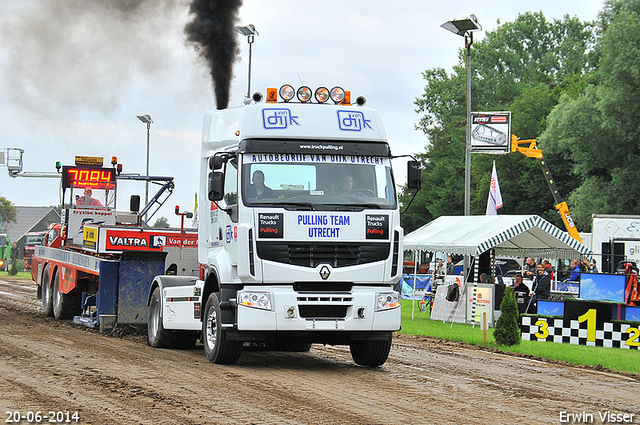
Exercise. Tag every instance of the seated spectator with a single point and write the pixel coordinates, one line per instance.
(575, 272)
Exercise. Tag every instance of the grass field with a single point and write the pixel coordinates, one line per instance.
(21, 275)
(612, 358)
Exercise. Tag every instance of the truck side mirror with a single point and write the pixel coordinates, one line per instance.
(216, 186)
(134, 203)
(217, 161)
(414, 175)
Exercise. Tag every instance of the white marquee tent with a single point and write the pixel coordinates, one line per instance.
(510, 236)
(506, 235)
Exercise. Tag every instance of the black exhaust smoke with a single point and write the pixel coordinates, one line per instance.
(213, 34)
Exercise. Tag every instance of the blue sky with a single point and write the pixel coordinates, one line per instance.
(75, 75)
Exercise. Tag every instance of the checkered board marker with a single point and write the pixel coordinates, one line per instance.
(616, 335)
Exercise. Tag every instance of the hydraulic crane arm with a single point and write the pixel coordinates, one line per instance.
(531, 151)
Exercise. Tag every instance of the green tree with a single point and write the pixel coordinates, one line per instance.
(596, 132)
(507, 331)
(523, 66)
(161, 222)
(7, 214)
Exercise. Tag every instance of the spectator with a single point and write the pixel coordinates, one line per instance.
(521, 293)
(575, 271)
(15, 253)
(593, 268)
(541, 288)
(529, 269)
(440, 269)
(548, 268)
(450, 266)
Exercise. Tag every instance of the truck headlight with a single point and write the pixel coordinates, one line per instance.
(261, 300)
(387, 300)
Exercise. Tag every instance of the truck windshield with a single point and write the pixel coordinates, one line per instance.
(317, 181)
(33, 240)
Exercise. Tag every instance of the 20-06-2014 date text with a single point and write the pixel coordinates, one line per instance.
(37, 417)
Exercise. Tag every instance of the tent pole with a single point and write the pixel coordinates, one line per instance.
(415, 276)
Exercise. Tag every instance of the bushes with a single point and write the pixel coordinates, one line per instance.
(507, 331)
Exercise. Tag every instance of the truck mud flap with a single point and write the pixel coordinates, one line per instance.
(137, 271)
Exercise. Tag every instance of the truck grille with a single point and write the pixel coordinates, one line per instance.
(322, 311)
(310, 255)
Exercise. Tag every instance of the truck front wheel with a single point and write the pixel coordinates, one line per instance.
(370, 353)
(216, 346)
(47, 298)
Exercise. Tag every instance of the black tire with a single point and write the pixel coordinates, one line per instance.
(370, 353)
(47, 298)
(214, 338)
(158, 336)
(65, 306)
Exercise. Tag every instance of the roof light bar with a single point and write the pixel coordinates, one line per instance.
(337, 94)
(322, 94)
(287, 92)
(304, 94)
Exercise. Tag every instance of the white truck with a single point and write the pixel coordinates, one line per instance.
(299, 232)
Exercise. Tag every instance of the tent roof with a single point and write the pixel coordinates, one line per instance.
(510, 235)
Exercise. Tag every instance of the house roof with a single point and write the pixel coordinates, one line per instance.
(27, 218)
(510, 235)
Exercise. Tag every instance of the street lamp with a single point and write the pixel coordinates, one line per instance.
(464, 26)
(147, 120)
(250, 32)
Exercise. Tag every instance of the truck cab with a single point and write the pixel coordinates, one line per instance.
(299, 233)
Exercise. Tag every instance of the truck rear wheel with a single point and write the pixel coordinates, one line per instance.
(158, 336)
(214, 338)
(65, 306)
(47, 298)
(370, 353)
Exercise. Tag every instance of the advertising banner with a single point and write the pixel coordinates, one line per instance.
(491, 132)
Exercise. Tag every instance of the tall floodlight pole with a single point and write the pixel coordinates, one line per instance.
(464, 26)
(250, 32)
(147, 120)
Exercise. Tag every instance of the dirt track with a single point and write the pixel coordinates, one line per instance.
(46, 365)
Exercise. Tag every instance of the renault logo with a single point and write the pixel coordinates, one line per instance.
(324, 272)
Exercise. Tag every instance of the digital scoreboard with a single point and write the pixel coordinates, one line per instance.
(93, 177)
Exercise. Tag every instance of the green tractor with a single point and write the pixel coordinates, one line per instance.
(5, 251)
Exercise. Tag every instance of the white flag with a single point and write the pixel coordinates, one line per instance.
(495, 197)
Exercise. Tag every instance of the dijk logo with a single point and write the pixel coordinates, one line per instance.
(278, 118)
(353, 121)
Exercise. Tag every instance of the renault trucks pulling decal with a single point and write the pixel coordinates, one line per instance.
(377, 226)
(270, 225)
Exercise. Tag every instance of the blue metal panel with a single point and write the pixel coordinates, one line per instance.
(137, 270)
(107, 297)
